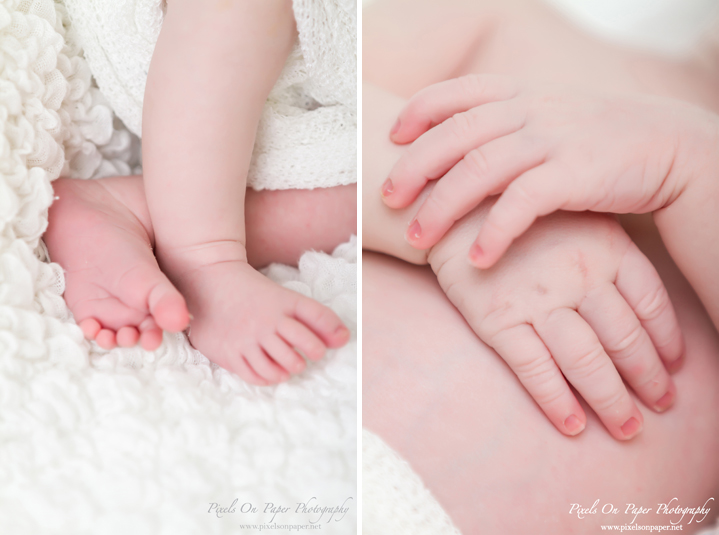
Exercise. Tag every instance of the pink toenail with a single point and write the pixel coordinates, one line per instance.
(415, 230)
(631, 427)
(342, 330)
(664, 402)
(573, 424)
(387, 188)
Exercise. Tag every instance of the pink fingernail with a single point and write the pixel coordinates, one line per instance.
(415, 230)
(387, 188)
(675, 365)
(573, 424)
(475, 252)
(631, 427)
(395, 128)
(664, 402)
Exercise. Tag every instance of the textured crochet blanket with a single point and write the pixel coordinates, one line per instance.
(307, 134)
(128, 441)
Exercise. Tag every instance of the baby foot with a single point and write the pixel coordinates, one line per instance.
(245, 322)
(99, 232)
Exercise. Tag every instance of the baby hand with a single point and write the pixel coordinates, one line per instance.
(546, 149)
(576, 299)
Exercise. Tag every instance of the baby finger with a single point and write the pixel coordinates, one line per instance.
(438, 102)
(482, 172)
(640, 285)
(438, 150)
(579, 354)
(628, 345)
(537, 192)
(530, 360)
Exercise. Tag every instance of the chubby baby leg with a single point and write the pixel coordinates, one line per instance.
(212, 69)
(100, 232)
(283, 224)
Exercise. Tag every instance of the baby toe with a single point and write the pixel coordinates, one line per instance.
(323, 322)
(242, 367)
(106, 339)
(168, 307)
(265, 367)
(283, 354)
(127, 336)
(297, 335)
(90, 328)
(150, 335)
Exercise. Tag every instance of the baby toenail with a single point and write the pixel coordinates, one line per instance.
(631, 427)
(342, 330)
(415, 230)
(573, 424)
(387, 188)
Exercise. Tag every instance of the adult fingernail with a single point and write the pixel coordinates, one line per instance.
(414, 231)
(395, 128)
(573, 425)
(664, 402)
(387, 188)
(631, 427)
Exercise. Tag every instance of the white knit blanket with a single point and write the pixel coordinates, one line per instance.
(307, 135)
(394, 499)
(126, 441)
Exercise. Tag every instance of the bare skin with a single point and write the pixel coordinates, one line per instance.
(484, 449)
(456, 412)
(198, 135)
(101, 233)
(552, 284)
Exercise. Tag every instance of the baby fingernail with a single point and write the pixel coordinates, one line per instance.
(573, 425)
(475, 252)
(395, 128)
(631, 427)
(664, 402)
(387, 188)
(415, 231)
(675, 365)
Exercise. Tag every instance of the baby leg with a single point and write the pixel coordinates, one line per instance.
(213, 67)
